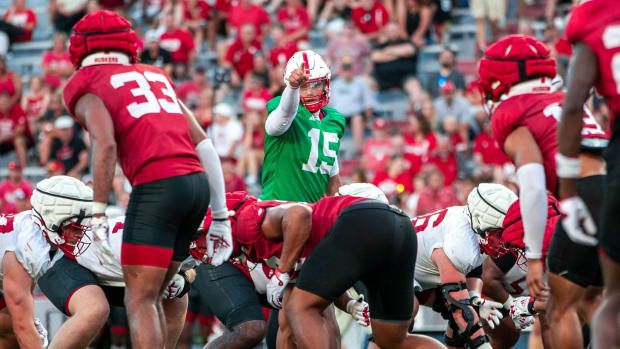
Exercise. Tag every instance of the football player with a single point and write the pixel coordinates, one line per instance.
(301, 164)
(516, 76)
(340, 240)
(61, 210)
(134, 115)
(593, 29)
(449, 263)
(247, 280)
(504, 275)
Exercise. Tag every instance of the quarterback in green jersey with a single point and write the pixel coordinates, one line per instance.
(302, 134)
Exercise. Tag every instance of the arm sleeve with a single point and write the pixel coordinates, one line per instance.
(211, 163)
(279, 121)
(533, 204)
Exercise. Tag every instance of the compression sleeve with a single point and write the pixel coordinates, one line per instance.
(211, 163)
(279, 121)
(533, 205)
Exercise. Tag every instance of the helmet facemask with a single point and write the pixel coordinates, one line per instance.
(70, 236)
(494, 246)
(318, 94)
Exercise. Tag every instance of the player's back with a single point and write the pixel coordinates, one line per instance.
(107, 274)
(540, 113)
(151, 131)
(450, 230)
(19, 234)
(597, 23)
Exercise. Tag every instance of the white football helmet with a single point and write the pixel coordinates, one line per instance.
(62, 207)
(487, 205)
(318, 72)
(364, 190)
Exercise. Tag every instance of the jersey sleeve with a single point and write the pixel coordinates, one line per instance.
(504, 121)
(31, 249)
(462, 249)
(76, 87)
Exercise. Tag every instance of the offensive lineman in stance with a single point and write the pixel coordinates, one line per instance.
(133, 114)
(594, 31)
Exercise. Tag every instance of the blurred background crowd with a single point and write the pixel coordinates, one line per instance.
(403, 75)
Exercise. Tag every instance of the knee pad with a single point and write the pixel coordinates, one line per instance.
(448, 306)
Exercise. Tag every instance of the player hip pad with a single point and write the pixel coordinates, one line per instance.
(448, 306)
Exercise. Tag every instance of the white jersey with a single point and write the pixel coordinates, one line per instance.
(111, 274)
(19, 234)
(514, 280)
(450, 230)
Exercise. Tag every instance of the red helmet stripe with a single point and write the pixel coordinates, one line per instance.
(306, 62)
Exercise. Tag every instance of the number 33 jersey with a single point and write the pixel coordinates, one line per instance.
(450, 230)
(299, 163)
(151, 132)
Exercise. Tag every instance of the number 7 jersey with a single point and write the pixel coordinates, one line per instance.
(151, 132)
(299, 163)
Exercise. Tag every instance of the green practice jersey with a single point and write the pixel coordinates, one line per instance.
(298, 163)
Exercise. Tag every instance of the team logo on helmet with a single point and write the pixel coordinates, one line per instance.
(62, 208)
(512, 60)
(102, 31)
(319, 76)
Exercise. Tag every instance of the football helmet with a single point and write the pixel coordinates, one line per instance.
(318, 73)
(487, 205)
(235, 202)
(511, 60)
(364, 190)
(62, 208)
(102, 31)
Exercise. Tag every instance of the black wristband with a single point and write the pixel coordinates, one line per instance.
(186, 286)
(530, 306)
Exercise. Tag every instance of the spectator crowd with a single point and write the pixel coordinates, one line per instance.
(227, 57)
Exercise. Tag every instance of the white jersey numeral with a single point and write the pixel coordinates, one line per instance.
(611, 39)
(590, 126)
(328, 138)
(152, 105)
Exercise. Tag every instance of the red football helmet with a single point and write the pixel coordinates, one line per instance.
(102, 31)
(511, 60)
(235, 202)
(510, 237)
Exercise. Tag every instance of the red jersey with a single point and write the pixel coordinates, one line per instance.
(240, 15)
(279, 55)
(376, 154)
(418, 152)
(256, 101)
(14, 118)
(448, 166)
(204, 10)
(242, 58)
(597, 23)
(7, 85)
(179, 43)
(19, 19)
(487, 147)
(34, 106)
(258, 248)
(9, 194)
(294, 19)
(393, 185)
(55, 62)
(151, 132)
(370, 21)
(540, 112)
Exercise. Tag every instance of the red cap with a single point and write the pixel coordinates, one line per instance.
(55, 166)
(14, 165)
(447, 87)
(379, 124)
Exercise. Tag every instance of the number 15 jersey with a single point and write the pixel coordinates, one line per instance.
(151, 132)
(299, 163)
